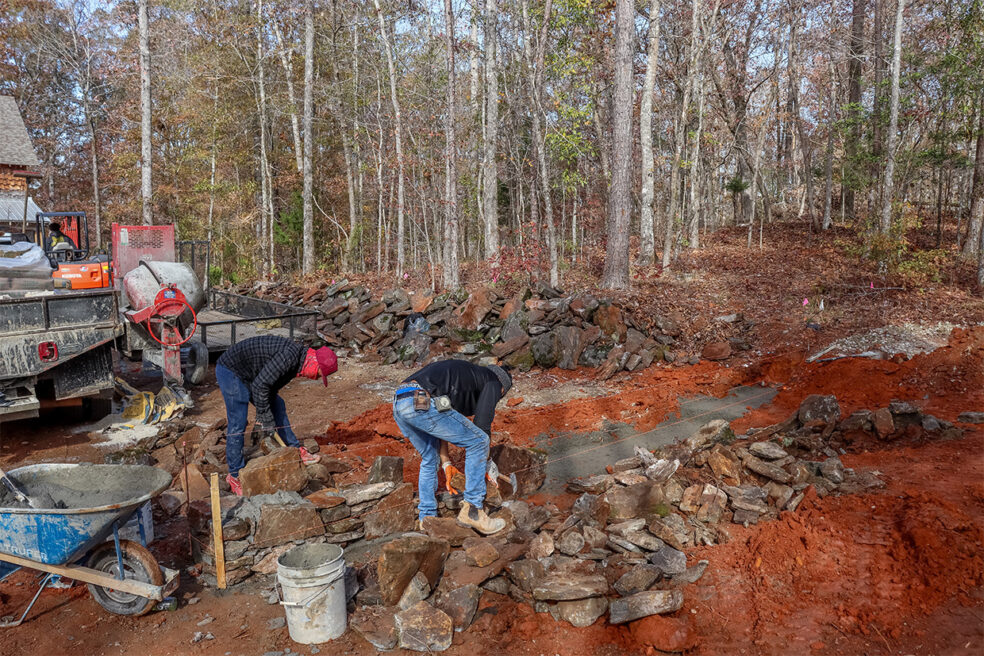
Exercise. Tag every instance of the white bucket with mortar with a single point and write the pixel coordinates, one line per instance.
(312, 584)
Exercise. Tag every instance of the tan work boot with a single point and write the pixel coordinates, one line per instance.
(479, 520)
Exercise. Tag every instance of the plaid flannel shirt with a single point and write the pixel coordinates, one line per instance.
(265, 364)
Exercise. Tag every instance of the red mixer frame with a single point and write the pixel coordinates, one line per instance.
(161, 320)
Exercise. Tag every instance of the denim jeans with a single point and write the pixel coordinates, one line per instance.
(425, 429)
(237, 398)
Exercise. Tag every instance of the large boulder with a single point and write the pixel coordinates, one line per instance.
(527, 466)
(644, 604)
(403, 557)
(284, 523)
(515, 325)
(424, 628)
(461, 605)
(609, 318)
(581, 612)
(394, 514)
(547, 349)
(386, 469)
(282, 469)
(470, 314)
(570, 346)
(817, 407)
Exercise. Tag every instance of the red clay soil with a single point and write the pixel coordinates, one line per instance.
(851, 570)
(945, 382)
(897, 571)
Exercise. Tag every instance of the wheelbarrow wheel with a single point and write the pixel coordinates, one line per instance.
(138, 564)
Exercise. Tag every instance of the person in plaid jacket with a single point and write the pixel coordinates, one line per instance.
(254, 371)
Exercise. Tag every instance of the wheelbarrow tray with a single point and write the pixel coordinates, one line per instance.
(59, 536)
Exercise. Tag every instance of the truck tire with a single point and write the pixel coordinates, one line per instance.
(197, 365)
(138, 564)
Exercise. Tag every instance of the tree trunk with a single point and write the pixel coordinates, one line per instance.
(680, 133)
(211, 181)
(877, 107)
(805, 145)
(267, 188)
(490, 189)
(695, 169)
(286, 62)
(539, 137)
(616, 272)
(451, 278)
(885, 224)
(146, 161)
(647, 238)
(307, 258)
(828, 167)
(400, 163)
(854, 99)
(975, 233)
(94, 161)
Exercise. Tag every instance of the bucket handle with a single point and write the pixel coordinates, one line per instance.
(307, 602)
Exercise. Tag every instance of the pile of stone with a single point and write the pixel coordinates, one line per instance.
(286, 502)
(620, 552)
(538, 326)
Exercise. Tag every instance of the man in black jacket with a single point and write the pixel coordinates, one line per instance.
(431, 408)
(254, 370)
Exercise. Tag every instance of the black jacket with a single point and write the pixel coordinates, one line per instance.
(473, 390)
(265, 364)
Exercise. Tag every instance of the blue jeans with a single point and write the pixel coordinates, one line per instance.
(425, 430)
(237, 398)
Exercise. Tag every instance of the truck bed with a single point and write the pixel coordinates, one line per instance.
(65, 332)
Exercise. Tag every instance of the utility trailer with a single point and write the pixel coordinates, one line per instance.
(59, 343)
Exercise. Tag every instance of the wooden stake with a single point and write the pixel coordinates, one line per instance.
(218, 550)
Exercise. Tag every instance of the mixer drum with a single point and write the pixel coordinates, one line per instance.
(141, 285)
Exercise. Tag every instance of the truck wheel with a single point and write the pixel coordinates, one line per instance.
(197, 365)
(138, 565)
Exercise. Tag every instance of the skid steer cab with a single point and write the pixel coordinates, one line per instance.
(64, 236)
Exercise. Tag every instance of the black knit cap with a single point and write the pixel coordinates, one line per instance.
(503, 377)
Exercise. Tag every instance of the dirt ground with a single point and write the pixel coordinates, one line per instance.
(898, 571)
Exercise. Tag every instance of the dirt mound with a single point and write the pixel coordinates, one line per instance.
(944, 382)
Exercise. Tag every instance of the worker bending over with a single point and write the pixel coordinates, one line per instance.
(431, 408)
(254, 370)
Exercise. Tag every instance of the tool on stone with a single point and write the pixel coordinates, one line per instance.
(492, 475)
(20, 494)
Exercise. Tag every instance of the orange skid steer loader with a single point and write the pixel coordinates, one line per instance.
(69, 254)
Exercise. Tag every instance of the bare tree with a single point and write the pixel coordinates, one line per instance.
(539, 138)
(286, 55)
(680, 133)
(885, 224)
(398, 120)
(616, 272)
(977, 196)
(146, 183)
(828, 165)
(647, 242)
(451, 278)
(490, 181)
(308, 236)
(975, 228)
(854, 95)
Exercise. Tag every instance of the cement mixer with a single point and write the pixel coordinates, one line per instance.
(161, 304)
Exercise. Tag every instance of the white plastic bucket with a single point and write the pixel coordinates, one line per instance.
(312, 584)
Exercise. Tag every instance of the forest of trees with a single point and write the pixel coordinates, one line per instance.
(419, 135)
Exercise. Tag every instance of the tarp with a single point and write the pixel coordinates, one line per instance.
(23, 256)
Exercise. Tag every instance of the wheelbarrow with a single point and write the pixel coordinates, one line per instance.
(81, 541)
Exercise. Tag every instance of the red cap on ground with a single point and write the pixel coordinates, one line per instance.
(327, 362)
